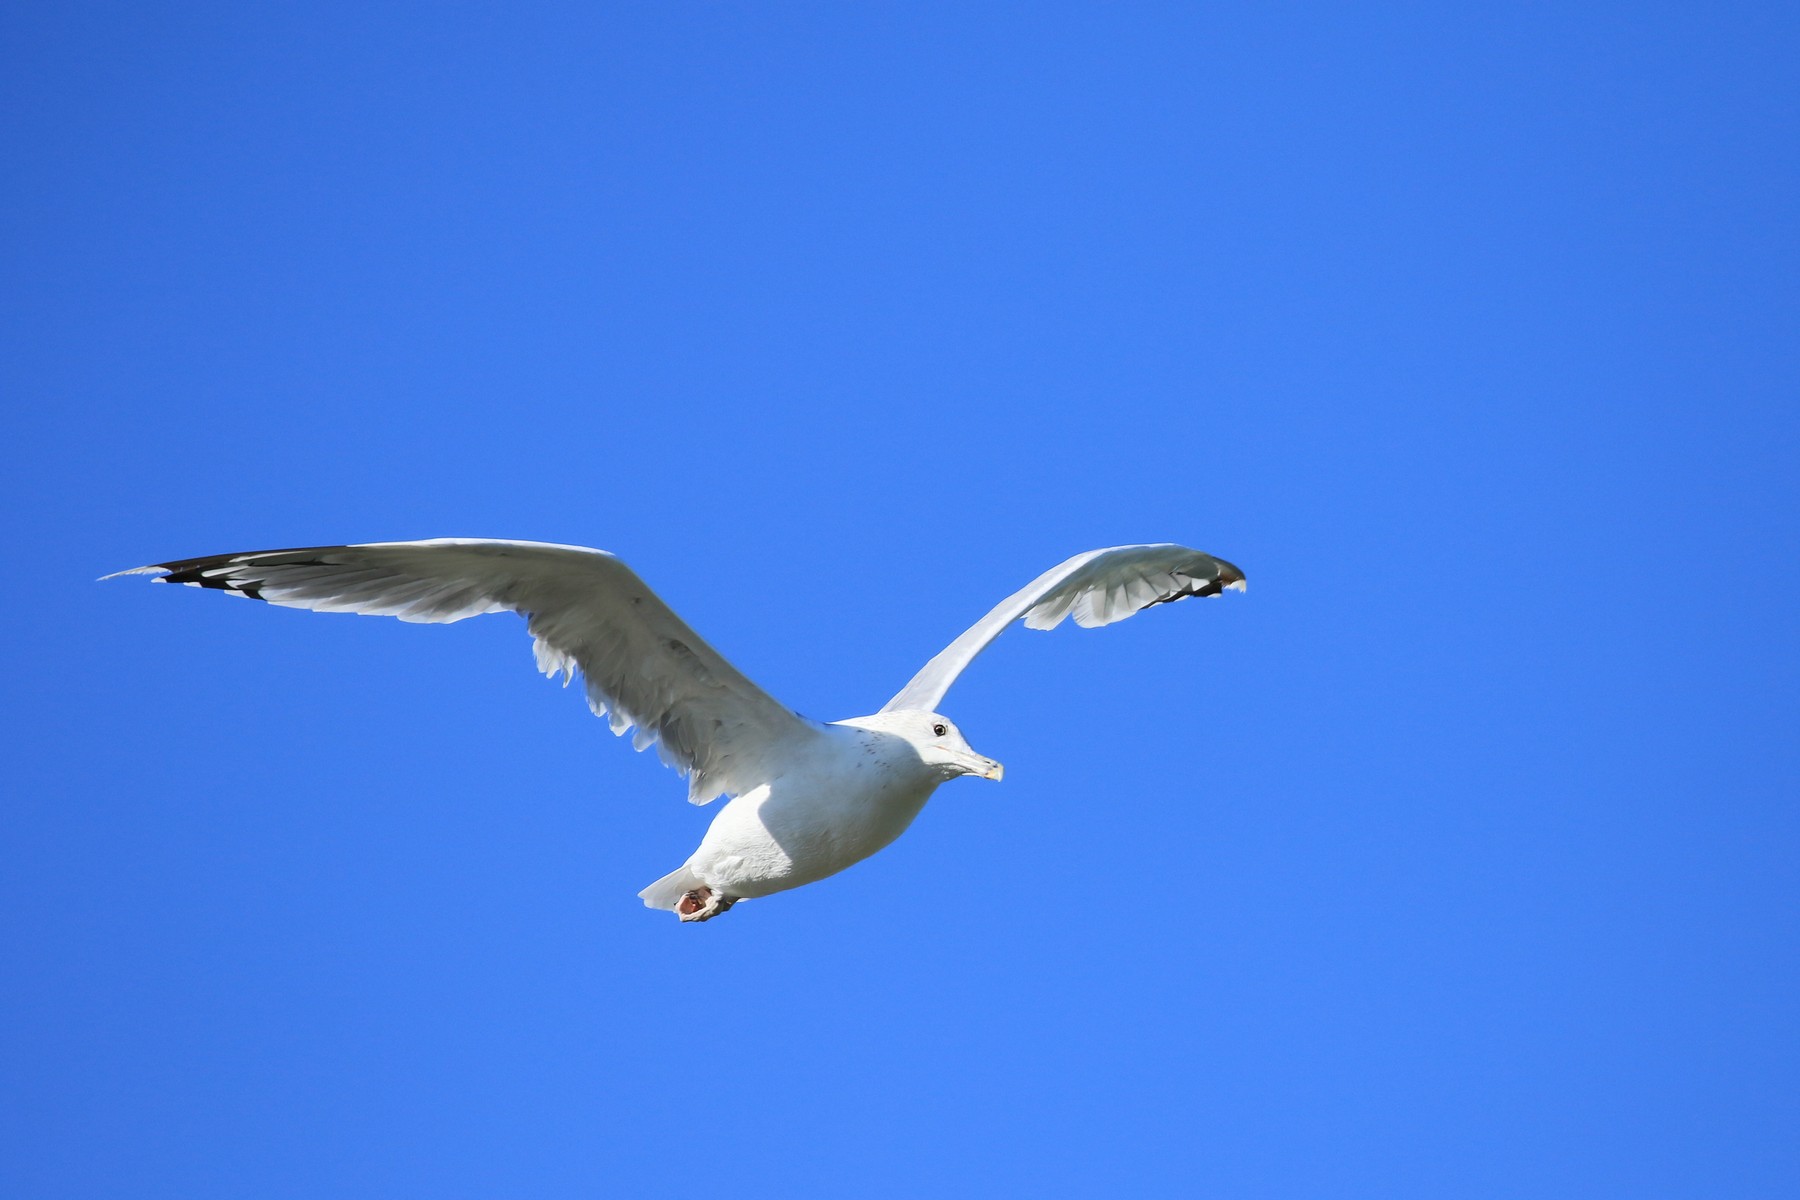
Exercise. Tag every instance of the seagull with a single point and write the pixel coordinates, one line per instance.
(807, 799)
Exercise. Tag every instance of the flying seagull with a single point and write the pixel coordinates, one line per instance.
(807, 799)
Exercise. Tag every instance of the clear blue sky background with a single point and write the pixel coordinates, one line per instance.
(1458, 858)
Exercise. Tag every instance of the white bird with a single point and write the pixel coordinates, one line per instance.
(807, 799)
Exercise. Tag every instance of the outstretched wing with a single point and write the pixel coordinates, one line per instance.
(1098, 588)
(587, 611)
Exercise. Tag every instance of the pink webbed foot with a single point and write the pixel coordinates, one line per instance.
(702, 904)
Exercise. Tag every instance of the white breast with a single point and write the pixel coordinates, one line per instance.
(856, 794)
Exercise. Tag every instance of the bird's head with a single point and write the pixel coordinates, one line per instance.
(932, 737)
(942, 747)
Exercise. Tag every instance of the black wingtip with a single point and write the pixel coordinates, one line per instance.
(197, 576)
(1211, 587)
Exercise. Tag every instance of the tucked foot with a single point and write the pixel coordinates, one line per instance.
(702, 904)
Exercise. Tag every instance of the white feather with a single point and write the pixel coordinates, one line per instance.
(1097, 588)
(586, 611)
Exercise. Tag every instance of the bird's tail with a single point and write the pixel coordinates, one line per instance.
(668, 891)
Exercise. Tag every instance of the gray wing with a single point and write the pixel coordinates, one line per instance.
(1097, 588)
(587, 611)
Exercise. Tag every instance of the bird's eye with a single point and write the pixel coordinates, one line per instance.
(939, 730)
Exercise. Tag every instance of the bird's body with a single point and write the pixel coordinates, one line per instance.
(807, 799)
(850, 792)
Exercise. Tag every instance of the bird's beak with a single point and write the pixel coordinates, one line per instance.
(973, 764)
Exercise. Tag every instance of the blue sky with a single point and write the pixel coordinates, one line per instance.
(1455, 858)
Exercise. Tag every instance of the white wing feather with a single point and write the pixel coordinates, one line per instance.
(586, 610)
(1096, 588)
